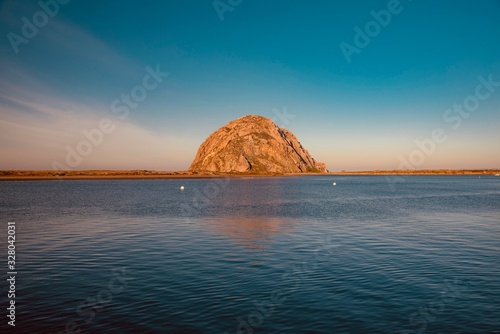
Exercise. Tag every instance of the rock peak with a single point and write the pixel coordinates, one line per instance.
(254, 144)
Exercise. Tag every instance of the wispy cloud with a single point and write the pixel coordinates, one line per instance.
(64, 38)
(38, 120)
(34, 132)
(70, 39)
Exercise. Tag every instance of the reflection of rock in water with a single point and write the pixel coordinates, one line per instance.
(253, 232)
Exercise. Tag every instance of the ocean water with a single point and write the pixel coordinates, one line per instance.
(255, 255)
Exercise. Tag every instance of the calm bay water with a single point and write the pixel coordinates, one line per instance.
(256, 255)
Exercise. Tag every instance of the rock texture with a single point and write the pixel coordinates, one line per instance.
(254, 144)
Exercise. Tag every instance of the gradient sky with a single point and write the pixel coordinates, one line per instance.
(264, 57)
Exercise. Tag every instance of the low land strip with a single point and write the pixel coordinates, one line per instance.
(20, 175)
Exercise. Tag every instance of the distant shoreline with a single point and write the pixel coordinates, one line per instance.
(34, 175)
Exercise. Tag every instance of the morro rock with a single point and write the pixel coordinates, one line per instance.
(254, 144)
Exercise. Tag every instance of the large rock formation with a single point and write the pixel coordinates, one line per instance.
(254, 144)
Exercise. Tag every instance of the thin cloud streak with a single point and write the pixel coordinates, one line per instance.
(36, 128)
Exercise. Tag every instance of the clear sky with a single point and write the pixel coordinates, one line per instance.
(84, 84)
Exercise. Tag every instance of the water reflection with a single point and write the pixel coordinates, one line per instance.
(251, 232)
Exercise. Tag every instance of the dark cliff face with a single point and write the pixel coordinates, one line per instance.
(254, 144)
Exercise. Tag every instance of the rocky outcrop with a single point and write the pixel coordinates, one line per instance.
(254, 144)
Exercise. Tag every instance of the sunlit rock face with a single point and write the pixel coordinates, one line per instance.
(254, 144)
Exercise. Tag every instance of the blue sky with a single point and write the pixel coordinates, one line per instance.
(264, 57)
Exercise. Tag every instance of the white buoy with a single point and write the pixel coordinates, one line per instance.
(334, 183)
(182, 187)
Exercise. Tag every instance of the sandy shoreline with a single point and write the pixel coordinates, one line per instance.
(22, 175)
(125, 177)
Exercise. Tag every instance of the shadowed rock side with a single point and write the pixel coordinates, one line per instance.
(254, 144)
